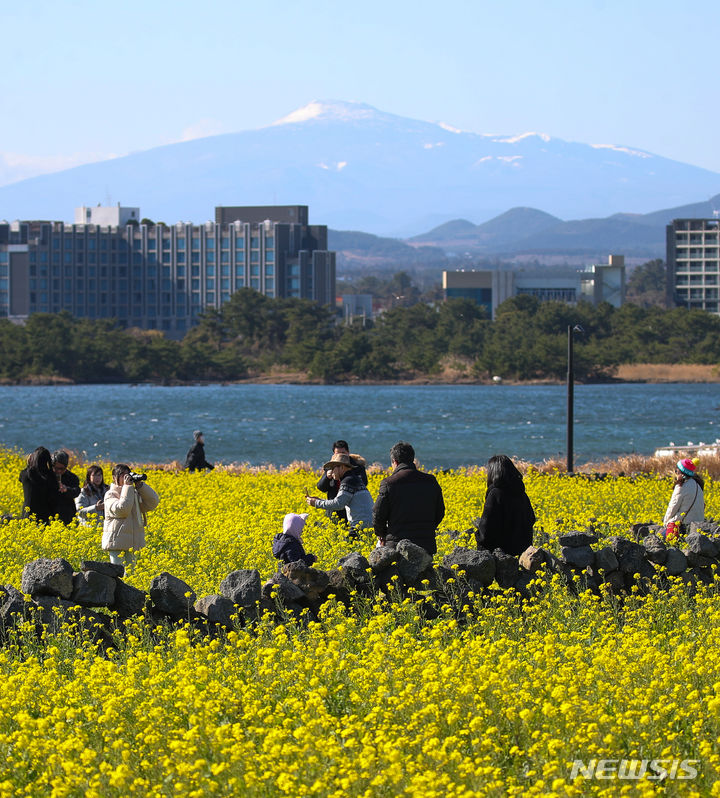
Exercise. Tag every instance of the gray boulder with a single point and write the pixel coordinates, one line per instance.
(576, 540)
(128, 599)
(506, 568)
(217, 609)
(578, 556)
(698, 560)
(285, 590)
(532, 559)
(46, 577)
(339, 586)
(478, 564)
(311, 581)
(243, 587)
(382, 557)
(615, 581)
(655, 548)
(606, 560)
(700, 544)
(12, 606)
(676, 562)
(107, 568)
(168, 595)
(93, 589)
(412, 561)
(354, 564)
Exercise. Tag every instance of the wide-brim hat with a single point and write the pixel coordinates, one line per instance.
(339, 458)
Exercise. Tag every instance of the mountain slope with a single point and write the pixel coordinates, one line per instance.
(357, 167)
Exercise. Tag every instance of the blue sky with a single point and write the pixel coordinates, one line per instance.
(84, 80)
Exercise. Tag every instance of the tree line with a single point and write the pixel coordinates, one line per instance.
(253, 334)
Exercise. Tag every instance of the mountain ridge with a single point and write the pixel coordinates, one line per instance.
(361, 168)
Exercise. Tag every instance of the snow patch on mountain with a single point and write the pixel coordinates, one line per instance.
(626, 150)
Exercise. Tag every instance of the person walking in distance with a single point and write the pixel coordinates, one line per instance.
(195, 459)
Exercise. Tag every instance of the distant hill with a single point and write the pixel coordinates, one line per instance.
(521, 231)
(358, 167)
(529, 231)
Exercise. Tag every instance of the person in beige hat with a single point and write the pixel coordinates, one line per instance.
(352, 496)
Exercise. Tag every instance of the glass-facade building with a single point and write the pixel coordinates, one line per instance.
(156, 276)
(693, 264)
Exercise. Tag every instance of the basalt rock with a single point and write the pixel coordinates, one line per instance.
(171, 596)
(128, 600)
(243, 587)
(577, 540)
(578, 556)
(218, 610)
(382, 557)
(412, 560)
(606, 560)
(655, 549)
(285, 590)
(478, 564)
(46, 577)
(311, 581)
(93, 589)
(675, 562)
(106, 568)
(506, 568)
(702, 545)
(533, 559)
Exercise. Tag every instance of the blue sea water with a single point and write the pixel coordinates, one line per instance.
(449, 425)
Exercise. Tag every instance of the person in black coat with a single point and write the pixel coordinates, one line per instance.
(40, 486)
(68, 486)
(508, 518)
(195, 459)
(329, 485)
(287, 545)
(409, 504)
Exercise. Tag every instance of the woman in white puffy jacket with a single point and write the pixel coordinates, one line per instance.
(687, 502)
(126, 506)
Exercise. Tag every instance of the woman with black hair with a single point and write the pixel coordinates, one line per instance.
(90, 501)
(40, 486)
(508, 517)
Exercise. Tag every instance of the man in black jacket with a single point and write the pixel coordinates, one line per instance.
(195, 459)
(409, 504)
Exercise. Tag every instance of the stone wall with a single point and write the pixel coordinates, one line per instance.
(59, 594)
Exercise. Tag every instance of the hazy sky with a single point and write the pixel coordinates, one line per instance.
(85, 79)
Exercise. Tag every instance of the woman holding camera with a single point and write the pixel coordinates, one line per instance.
(127, 503)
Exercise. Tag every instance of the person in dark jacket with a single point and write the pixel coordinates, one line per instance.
(409, 504)
(40, 486)
(68, 486)
(329, 485)
(508, 518)
(287, 545)
(195, 459)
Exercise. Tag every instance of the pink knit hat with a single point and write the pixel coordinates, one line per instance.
(688, 466)
(293, 524)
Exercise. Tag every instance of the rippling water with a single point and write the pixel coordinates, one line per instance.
(449, 425)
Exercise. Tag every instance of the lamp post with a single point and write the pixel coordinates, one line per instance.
(572, 329)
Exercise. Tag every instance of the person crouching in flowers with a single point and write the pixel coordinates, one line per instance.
(287, 545)
(126, 506)
(687, 502)
(352, 496)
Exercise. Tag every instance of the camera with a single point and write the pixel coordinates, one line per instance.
(135, 477)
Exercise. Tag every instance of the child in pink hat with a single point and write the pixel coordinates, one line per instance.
(287, 545)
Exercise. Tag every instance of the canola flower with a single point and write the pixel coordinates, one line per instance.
(496, 701)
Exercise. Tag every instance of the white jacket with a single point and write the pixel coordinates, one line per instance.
(125, 508)
(687, 503)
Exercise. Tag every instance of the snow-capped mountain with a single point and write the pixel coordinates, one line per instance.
(363, 169)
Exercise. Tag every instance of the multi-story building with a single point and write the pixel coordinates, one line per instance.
(156, 276)
(693, 263)
(599, 282)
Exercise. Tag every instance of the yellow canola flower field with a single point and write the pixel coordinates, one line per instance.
(497, 700)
